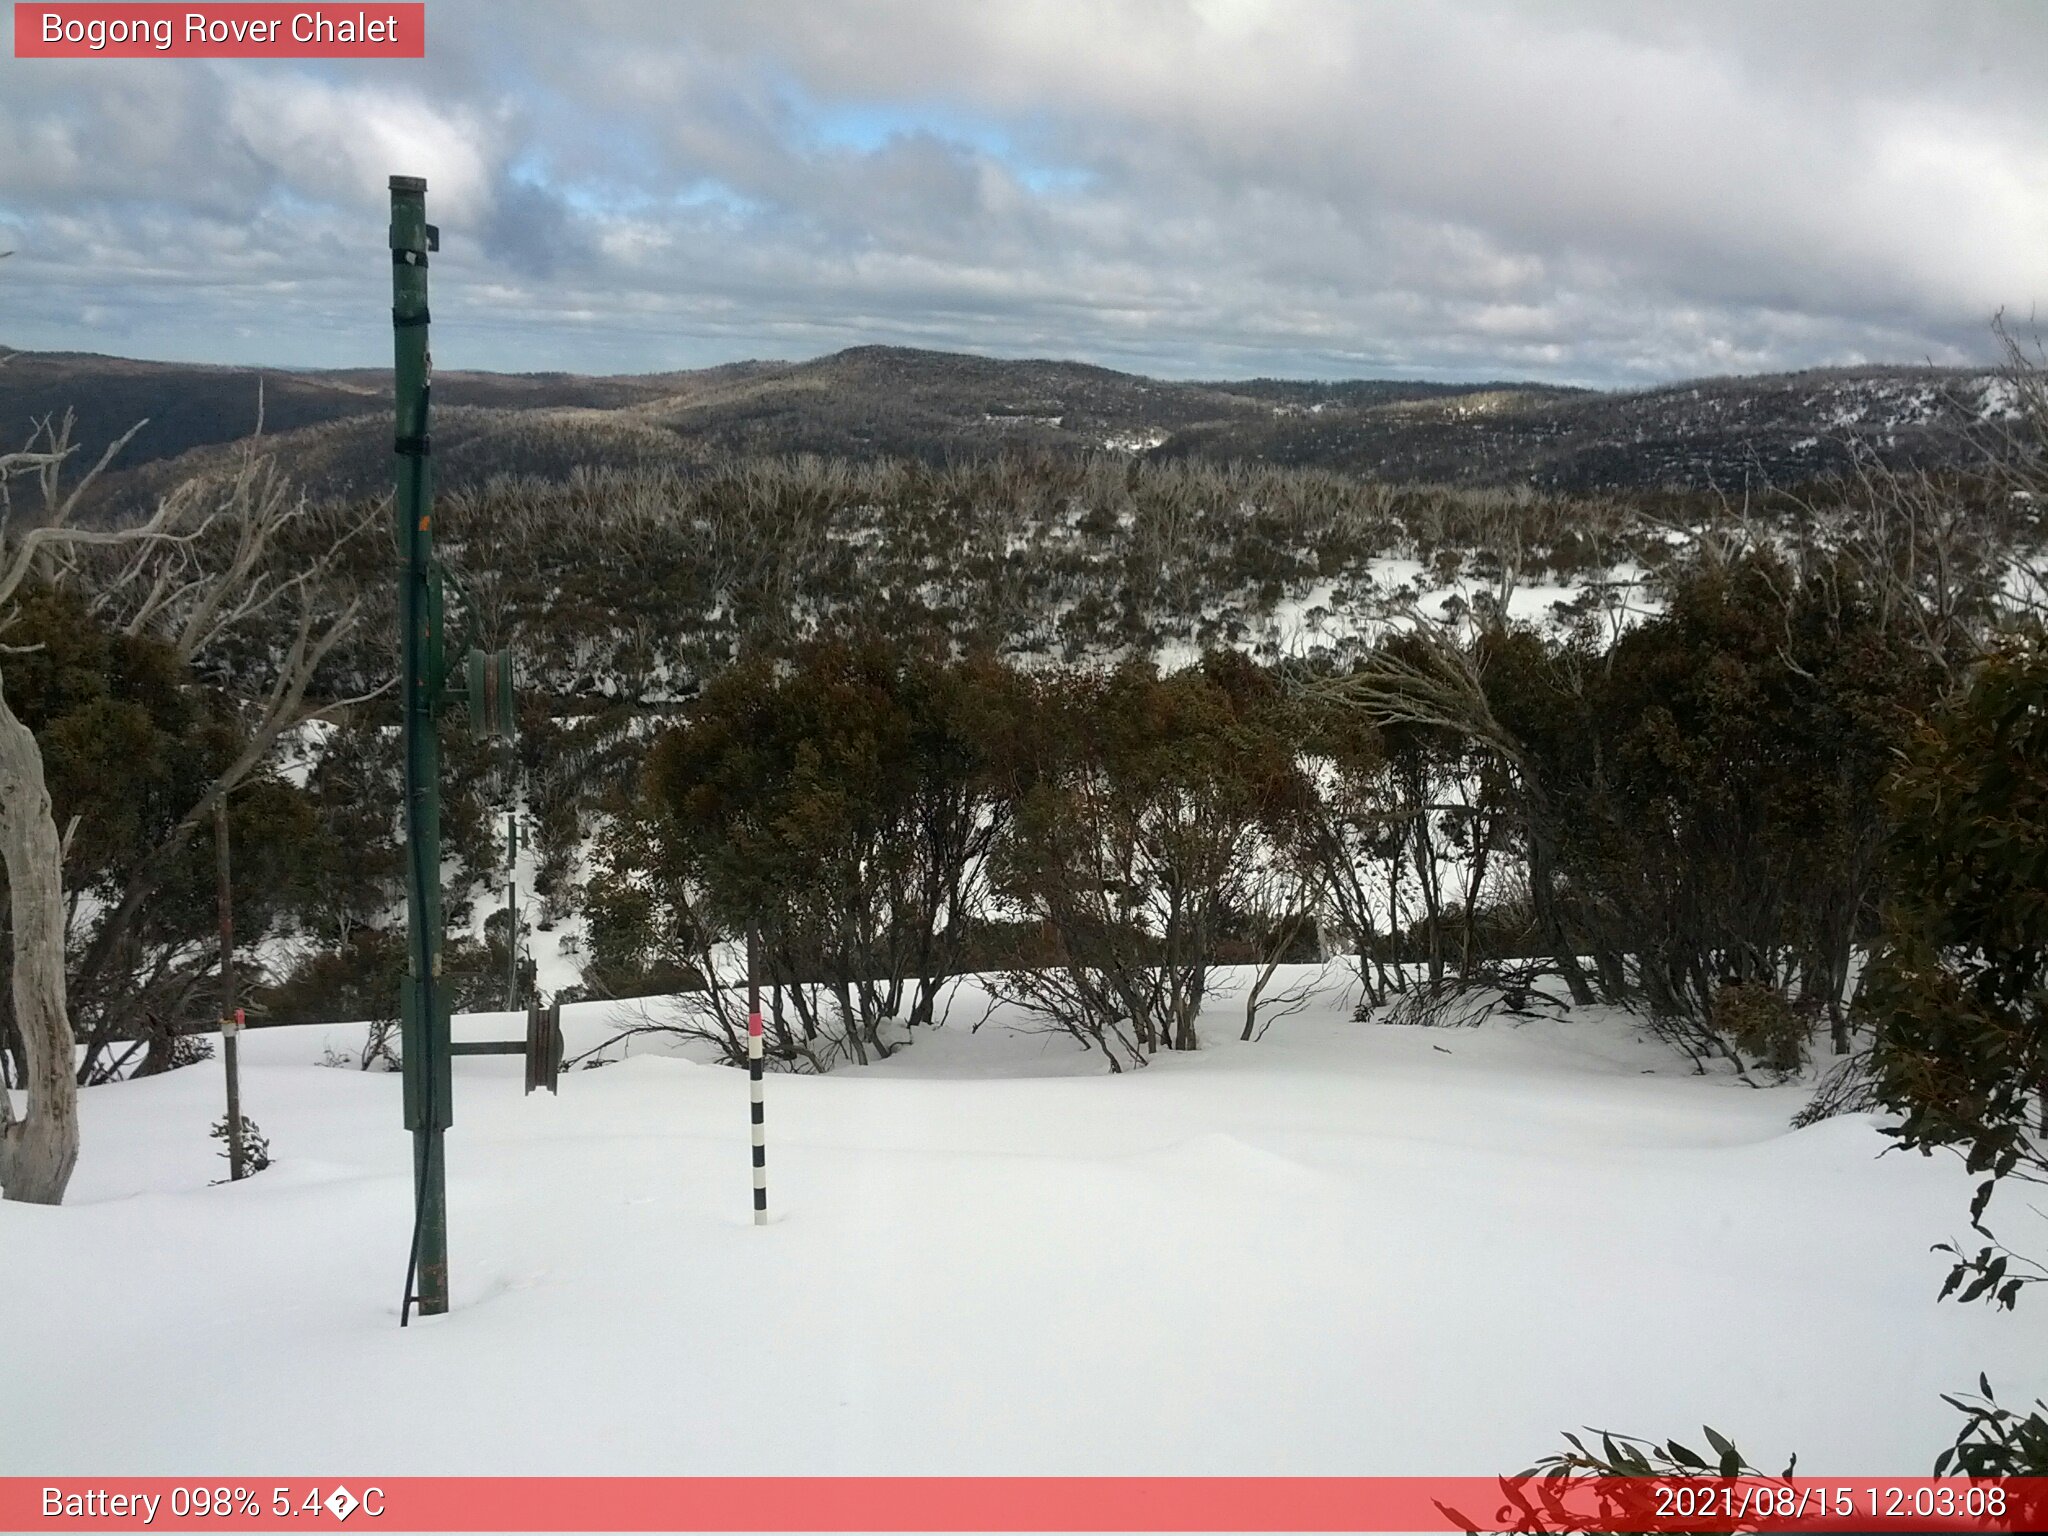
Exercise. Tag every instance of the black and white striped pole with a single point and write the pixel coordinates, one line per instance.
(756, 1107)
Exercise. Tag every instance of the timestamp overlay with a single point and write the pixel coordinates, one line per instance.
(1525, 1504)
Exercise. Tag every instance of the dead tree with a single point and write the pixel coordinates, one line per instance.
(199, 573)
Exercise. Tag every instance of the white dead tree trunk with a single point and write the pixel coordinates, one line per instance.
(38, 1150)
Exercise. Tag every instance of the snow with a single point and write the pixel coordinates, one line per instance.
(299, 750)
(1344, 1248)
(556, 951)
(1999, 400)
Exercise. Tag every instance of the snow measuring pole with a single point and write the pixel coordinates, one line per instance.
(756, 1110)
(484, 685)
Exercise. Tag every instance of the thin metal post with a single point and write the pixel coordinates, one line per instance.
(511, 888)
(756, 1106)
(422, 669)
(230, 1015)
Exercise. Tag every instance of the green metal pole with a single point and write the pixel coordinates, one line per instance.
(423, 669)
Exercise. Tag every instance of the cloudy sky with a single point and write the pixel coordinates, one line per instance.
(1588, 193)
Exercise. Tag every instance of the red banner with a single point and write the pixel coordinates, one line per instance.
(1674, 1504)
(214, 31)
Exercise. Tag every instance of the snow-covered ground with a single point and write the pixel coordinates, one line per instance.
(1344, 1248)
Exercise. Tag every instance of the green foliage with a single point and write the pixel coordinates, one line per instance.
(348, 907)
(357, 979)
(1995, 1441)
(356, 784)
(866, 810)
(1590, 1488)
(130, 742)
(255, 1145)
(1709, 788)
(1756, 1018)
(639, 935)
(1959, 991)
(838, 811)
(115, 721)
(1628, 1456)
(1141, 810)
(1992, 1442)
(362, 976)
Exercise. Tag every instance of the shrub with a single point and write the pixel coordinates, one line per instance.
(255, 1145)
(837, 813)
(1758, 1021)
(1143, 811)
(1960, 989)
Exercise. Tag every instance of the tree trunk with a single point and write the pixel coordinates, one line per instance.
(39, 1149)
(1544, 899)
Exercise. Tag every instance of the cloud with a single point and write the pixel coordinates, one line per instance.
(337, 144)
(1578, 191)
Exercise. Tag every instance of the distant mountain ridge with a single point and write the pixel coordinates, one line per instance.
(331, 427)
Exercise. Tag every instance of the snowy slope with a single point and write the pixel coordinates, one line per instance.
(1343, 1249)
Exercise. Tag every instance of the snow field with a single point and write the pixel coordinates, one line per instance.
(1343, 1249)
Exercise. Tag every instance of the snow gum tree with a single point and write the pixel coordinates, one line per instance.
(1145, 811)
(839, 812)
(129, 739)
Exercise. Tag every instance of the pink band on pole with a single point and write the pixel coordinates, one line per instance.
(754, 1023)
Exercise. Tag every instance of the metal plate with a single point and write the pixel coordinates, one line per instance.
(543, 1047)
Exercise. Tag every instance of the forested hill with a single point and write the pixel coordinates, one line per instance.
(330, 429)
